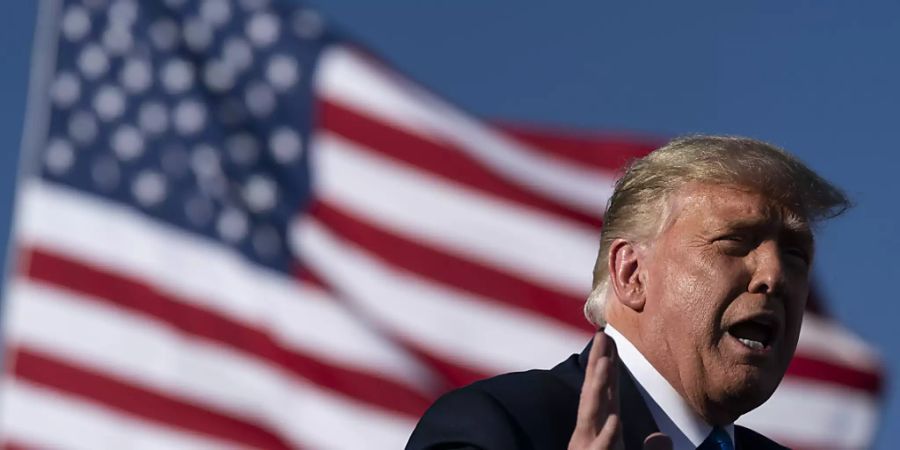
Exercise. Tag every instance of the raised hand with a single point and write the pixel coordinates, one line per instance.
(598, 425)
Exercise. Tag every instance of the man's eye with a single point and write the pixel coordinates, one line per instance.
(799, 253)
(735, 244)
(742, 239)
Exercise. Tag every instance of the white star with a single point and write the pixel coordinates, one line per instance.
(82, 127)
(109, 102)
(93, 61)
(237, 53)
(135, 75)
(260, 193)
(285, 145)
(205, 161)
(282, 72)
(216, 12)
(218, 76)
(260, 99)
(190, 116)
(198, 34)
(127, 142)
(263, 29)
(117, 39)
(164, 34)
(232, 224)
(149, 188)
(153, 118)
(123, 13)
(66, 89)
(175, 4)
(76, 23)
(177, 75)
(59, 156)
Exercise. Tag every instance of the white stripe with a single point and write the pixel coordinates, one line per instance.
(828, 340)
(454, 218)
(449, 322)
(348, 79)
(38, 417)
(152, 355)
(209, 276)
(816, 415)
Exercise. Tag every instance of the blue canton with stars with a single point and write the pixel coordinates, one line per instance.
(193, 112)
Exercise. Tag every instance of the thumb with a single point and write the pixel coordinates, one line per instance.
(657, 441)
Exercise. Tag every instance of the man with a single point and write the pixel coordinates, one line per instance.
(700, 282)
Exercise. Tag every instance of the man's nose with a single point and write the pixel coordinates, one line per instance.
(768, 270)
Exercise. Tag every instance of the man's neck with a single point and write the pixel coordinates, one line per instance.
(672, 414)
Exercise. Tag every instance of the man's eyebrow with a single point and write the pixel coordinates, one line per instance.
(742, 224)
(795, 224)
(794, 227)
(802, 235)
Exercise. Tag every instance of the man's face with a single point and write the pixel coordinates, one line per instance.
(726, 282)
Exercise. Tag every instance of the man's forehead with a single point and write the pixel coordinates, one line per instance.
(732, 206)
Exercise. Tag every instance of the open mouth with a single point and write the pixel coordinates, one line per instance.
(757, 333)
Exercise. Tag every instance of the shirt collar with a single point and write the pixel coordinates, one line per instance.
(672, 414)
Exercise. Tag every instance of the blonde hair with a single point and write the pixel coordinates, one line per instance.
(635, 211)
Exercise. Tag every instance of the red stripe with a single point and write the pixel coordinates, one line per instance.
(307, 277)
(450, 270)
(145, 299)
(589, 149)
(803, 366)
(11, 445)
(604, 152)
(439, 159)
(137, 401)
(447, 375)
(454, 374)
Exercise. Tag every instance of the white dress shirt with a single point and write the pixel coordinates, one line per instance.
(672, 414)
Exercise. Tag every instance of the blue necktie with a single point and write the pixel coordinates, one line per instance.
(718, 439)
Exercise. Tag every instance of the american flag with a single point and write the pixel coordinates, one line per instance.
(235, 229)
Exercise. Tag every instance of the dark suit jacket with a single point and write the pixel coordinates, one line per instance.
(536, 410)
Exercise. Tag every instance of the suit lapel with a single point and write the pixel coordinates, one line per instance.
(637, 422)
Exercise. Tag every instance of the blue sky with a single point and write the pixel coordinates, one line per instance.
(820, 78)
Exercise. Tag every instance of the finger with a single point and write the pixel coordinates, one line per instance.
(609, 433)
(607, 419)
(658, 441)
(589, 401)
(608, 384)
(612, 385)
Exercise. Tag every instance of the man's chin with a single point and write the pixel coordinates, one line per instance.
(751, 376)
(749, 388)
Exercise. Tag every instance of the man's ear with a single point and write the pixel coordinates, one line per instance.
(624, 274)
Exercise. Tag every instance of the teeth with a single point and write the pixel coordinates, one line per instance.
(755, 345)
